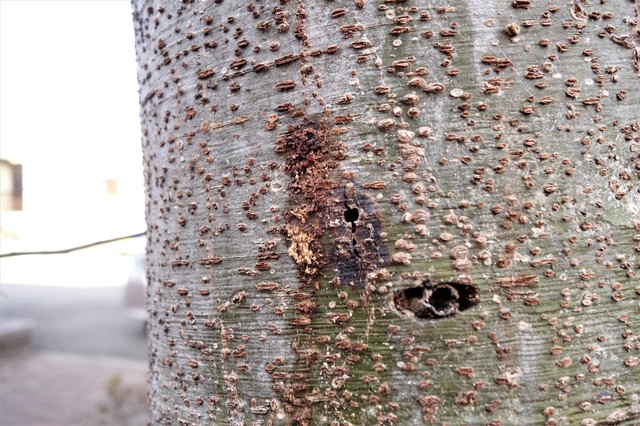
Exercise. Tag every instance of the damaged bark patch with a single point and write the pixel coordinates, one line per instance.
(311, 160)
(436, 300)
(321, 202)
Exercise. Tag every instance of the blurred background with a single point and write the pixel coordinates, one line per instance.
(72, 339)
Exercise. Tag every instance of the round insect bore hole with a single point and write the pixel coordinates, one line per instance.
(351, 214)
(443, 298)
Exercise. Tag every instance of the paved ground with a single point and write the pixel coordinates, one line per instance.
(88, 321)
(86, 361)
(53, 389)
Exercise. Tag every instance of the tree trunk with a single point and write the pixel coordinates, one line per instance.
(392, 212)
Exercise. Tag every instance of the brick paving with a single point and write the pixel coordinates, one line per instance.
(55, 389)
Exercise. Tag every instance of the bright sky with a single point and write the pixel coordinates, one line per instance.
(69, 105)
(68, 80)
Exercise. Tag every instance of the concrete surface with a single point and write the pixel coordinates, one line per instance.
(87, 321)
(53, 389)
(70, 355)
(16, 332)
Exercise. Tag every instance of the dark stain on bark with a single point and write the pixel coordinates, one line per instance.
(358, 247)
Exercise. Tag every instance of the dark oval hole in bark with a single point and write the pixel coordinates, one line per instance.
(437, 300)
(443, 298)
(351, 214)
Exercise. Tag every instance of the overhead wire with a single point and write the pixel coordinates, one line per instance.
(71, 249)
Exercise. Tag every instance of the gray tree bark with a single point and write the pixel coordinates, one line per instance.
(392, 212)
